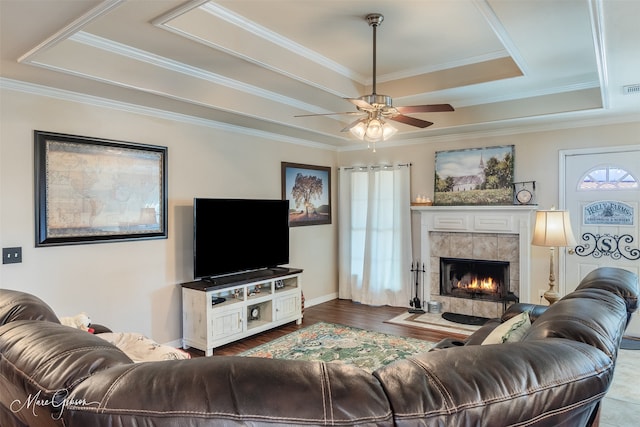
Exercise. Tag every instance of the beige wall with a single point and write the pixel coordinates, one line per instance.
(133, 286)
(536, 159)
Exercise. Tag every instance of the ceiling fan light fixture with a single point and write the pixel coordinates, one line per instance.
(359, 129)
(388, 131)
(374, 130)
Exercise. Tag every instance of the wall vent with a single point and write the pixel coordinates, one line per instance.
(631, 89)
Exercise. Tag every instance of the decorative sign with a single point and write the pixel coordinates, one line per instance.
(616, 247)
(608, 212)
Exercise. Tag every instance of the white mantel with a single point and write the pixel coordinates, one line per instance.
(514, 220)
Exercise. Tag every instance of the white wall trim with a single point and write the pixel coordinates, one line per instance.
(516, 126)
(96, 101)
(321, 299)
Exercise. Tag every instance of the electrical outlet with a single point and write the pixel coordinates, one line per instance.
(11, 255)
(541, 299)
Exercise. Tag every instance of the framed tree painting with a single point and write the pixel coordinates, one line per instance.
(474, 176)
(92, 190)
(308, 189)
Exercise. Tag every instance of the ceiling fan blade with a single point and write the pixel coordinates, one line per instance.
(411, 121)
(435, 108)
(360, 103)
(348, 127)
(350, 113)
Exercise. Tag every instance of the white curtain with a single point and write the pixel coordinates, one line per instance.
(375, 235)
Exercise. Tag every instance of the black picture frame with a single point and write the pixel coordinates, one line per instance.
(91, 190)
(307, 206)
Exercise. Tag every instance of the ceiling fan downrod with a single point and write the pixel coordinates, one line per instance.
(379, 108)
(374, 19)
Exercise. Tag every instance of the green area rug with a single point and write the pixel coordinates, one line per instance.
(334, 343)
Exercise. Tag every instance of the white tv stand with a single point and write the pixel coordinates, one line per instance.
(222, 310)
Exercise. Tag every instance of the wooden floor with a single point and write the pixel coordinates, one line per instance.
(344, 312)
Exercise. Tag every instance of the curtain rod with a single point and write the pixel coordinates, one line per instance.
(374, 166)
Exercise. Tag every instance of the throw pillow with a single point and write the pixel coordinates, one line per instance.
(142, 349)
(510, 331)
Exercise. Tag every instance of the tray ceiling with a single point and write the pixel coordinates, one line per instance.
(255, 64)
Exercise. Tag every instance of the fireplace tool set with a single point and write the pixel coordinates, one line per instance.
(418, 274)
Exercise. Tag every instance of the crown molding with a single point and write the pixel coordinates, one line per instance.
(70, 29)
(95, 101)
(563, 121)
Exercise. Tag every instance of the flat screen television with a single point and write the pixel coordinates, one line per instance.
(239, 235)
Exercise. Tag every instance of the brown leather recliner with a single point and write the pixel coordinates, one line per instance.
(555, 375)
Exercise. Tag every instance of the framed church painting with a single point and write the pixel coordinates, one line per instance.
(474, 176)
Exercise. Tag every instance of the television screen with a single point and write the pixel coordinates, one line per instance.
(237, 235)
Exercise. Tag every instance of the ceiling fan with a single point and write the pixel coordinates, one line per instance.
(377, 107)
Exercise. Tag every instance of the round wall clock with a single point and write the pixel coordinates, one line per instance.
(524, 193)
(524, 196)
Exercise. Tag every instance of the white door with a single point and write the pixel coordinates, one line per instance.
(602, 193)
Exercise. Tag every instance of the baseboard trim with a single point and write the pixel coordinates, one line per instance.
(320, 300)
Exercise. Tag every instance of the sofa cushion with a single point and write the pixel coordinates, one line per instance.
(46, 361)
(16, 305)
(510, 331)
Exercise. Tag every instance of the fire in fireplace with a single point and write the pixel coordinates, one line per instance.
(475, 279)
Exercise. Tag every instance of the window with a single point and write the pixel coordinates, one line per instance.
(375, 235)
(608, 178)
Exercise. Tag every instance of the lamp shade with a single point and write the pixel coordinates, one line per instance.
(553, 228)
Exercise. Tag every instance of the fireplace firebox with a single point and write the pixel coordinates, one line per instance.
(474, 279)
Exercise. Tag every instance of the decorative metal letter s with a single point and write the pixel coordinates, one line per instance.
(614, 246)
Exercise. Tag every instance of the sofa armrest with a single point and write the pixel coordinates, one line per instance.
(615, 280)
(17, 305)
(535, 311)
(447, 343)
(46, 361)
(537, 383)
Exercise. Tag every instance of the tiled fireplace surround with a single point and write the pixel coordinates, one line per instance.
(496, 233)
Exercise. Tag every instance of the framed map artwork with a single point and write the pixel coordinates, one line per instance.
(92, 190)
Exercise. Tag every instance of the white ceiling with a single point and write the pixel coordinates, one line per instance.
(255, 64)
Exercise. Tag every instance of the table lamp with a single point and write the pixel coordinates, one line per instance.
(552, 229)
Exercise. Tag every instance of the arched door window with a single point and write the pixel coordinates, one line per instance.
(608, 178)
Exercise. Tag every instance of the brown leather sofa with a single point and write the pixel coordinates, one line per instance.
(555, 375)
